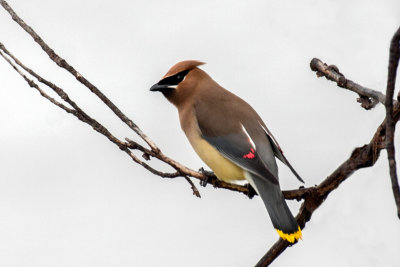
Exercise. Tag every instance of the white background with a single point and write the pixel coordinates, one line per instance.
(68, 197)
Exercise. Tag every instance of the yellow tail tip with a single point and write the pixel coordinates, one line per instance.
(290, 237)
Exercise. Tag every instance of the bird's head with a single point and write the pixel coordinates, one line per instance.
(180, 81)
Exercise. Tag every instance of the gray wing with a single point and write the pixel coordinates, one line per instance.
(228, 135)
(238, 149)
(279, 153)
(241, 137)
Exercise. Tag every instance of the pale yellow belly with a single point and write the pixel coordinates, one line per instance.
(223, 168)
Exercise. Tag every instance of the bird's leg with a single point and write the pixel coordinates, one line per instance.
(209, 176)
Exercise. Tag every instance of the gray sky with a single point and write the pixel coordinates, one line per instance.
(68, 197)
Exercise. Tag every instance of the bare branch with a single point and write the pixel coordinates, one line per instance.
(64, 64)
(361, 157)
(194, 188)
(368, 97)
(34, 85)
(390, 122)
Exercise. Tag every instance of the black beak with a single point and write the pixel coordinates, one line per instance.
(159, 87)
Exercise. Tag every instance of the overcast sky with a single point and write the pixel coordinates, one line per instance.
(68, 197)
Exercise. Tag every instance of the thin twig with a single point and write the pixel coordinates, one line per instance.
(394, 56)
(34, 85)
(64, 64)
(194, 188)
(368, 97)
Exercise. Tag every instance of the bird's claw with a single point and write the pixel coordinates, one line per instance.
(208, 176)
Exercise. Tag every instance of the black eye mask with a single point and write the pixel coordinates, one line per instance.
(174, 79)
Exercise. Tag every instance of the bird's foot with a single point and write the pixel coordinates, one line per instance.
(209, 176)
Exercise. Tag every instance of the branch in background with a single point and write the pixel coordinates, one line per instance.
(64, 64)
(368, 98)
(394, 56)
(34, 85)
(361, 157)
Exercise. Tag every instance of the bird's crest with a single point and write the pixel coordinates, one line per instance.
(183, 65)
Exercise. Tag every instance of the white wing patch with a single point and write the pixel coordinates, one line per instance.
(248, 137)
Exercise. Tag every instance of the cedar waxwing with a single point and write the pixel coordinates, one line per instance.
(230, 137)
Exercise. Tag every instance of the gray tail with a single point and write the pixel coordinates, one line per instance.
(281, 217)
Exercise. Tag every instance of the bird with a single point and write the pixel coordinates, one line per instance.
(230, 138)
